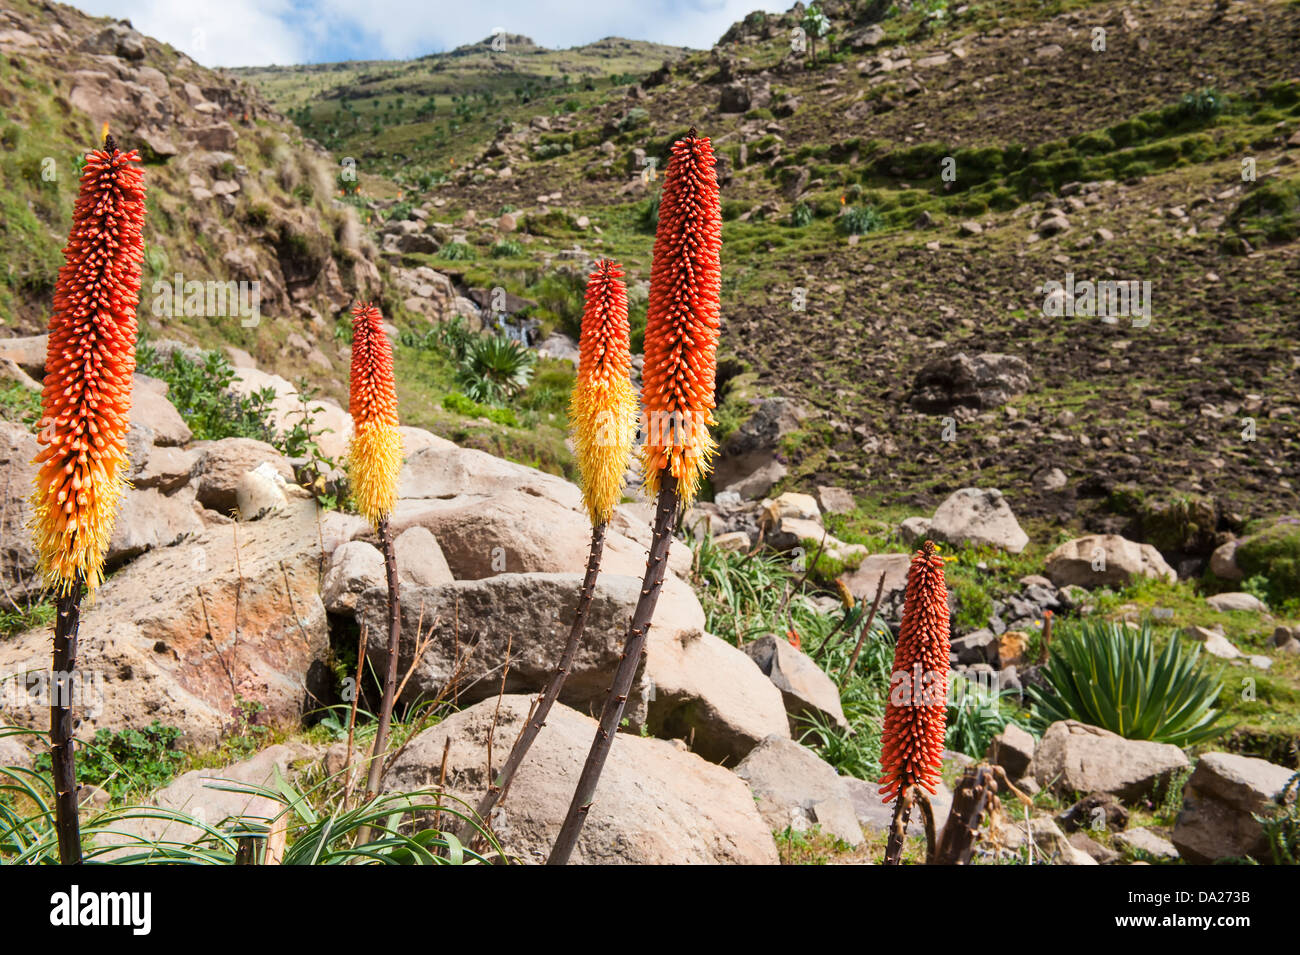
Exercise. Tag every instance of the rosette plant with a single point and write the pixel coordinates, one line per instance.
(602, 409)
(374, 462)
(681, 342)
(85, 407)
(917, 711)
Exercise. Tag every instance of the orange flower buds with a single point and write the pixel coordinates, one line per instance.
(682, 321)
(917, 710)
(90, 361)
(375, 459)
(603, 404)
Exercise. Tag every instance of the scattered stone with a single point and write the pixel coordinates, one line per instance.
(655, 805)
(1013, 750)
(986, 381)
(1073, 756)
(1220, 802)
(835, 500)
(1105, 560)
(795, 788)
(1227, 603)
(805, 687)
(1100, 854)
(1096, 812)
(979, 517)
(1148, 843)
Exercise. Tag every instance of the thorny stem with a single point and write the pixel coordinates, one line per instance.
(500, 786)
(898, 827)
(390, 676)
(866, 632)
(66, 625)
(612, 712)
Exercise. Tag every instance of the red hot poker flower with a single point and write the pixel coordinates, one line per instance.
(682, 321)
(376, 452)
(89, 365)
(917, 710)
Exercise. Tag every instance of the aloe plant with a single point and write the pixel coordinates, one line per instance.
(1107, 675)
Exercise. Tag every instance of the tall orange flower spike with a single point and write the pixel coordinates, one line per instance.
(603, 403)
(90, 360)
(681, 336)
(376, 452)
(917, 708)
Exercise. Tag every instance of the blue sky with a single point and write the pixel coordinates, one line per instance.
(260, 32)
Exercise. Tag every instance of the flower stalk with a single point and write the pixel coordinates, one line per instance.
(682, 322)
(915, 717)
(86, 404)
(375, 460)
(602, 408)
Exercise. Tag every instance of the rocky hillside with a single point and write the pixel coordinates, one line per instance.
(236, 193)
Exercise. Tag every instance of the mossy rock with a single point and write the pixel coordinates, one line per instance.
(1275, 554)
(1183, 523)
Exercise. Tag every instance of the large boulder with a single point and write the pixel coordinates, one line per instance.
(188, 635)
(862, 582)
(979, 517)
(985, 381)
(155, 415)
(794, 788)
(805, 688)
(1075, 757)
(222, 463)
(442, 470)
(148, 519)
(471, 623)
(354, 568)
(699, 688)
(655, 804)
(420, 561)
(1013, 750)
(876, 815)
(1220, 802)
(331, 424)
(28, 353)
(1105, 560)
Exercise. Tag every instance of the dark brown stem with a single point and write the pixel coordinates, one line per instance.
(390, 676)
(927, 820)
(898, 828)
(500, 786)
(612, 712)
(1047, 638)
(957, 841)
(866, 632)
(66, 624)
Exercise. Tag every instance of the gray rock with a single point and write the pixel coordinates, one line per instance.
(988, 380)
(1105, 560)
(1073, 756)
(875, 815)
(1227, 603)
(794, 788)
(1013, 750)
(222, 463)
(1096, 850)
(805, 687)
(1148, 843)
(835, 500)
(1220, 802)
(979, 517)
(1223, 562)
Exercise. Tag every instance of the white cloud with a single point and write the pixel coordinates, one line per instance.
(258, 32)
(224, 33)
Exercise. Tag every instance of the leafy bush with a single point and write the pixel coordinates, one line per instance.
(126, 761)
(1106, 675)
(1201, 104)
(649, 218)
(462, 405)
(495, 368)
(507, 249)
(560, 295)
(20, 405)
(801, 215)
(457, 252)
(201, 393)
(859, 220)
(975, 716)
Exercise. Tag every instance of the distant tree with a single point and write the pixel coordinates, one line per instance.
(815, 24)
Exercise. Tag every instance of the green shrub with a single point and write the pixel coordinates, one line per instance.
(128, 760)
(648, 221)
(462, 405)
(1106, 675)
(495, 368)
(457, 252)
(801, 215)
(507, 249)
(859, 220)
(201, 393)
